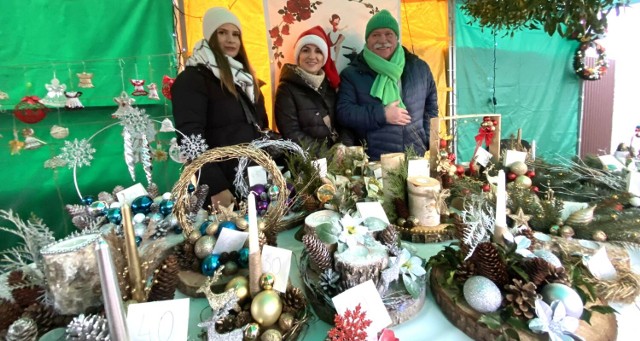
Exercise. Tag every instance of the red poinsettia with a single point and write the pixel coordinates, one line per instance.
(351, 326)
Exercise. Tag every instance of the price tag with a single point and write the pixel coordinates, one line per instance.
(229, 240)
(277, 261)
(372, 209)
(612, 164)
(513, 156)
(419, 167)
(257, 175)
(321, 166)
(370, 301)
(128, 194)
(483, 157)
(159, 321)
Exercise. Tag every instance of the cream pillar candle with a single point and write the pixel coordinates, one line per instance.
(423, 199)
(255, 263)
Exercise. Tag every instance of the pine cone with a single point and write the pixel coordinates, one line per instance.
(311, 204)
(23, 294)
(165, 280)
(489, 264)
(389, 236)
(225, 325)
(186, 257)
(9, 312)
(23, 329)
(117, 189)
(262, 239)
(538, 269)
(152, 190)
(402, 210)
(522, 298)
(88, 328)
(318, 251)
(329, 281)
(558, 275)
(82, 222)
(464, 271)
(293, 300)
(458, 233)
(45, 317)
(243, 318)
(198, 198)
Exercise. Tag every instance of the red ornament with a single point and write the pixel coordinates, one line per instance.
(530, 174)
(460, 170)
(451, 157)
(443, 143)
(511, 176)
(486, 188)
(30, 110)
(167, 82)
(387, 335)
(535, 189)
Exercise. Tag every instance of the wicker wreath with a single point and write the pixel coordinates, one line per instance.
(181, 192)
(590, 73)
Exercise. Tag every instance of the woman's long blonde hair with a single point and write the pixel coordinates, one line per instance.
(226, 78)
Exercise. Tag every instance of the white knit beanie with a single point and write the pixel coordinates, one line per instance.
(312, 36)
(216, 17)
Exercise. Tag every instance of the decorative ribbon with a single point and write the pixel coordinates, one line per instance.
(441, 205)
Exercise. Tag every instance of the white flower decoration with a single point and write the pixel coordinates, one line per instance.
(353, 232)
(410, 265)
(554, 321)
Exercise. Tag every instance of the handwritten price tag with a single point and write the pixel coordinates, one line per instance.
(230, 240)
(321, 166)
(128, 194)
(159, 321)
(370, 301)
(514, 156)
(278, 262)
(372, 209)
(419, 167)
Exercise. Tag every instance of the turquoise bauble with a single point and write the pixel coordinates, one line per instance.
(114, 216)
(166, 207)
(203, 227)
(210, 264)
(98, 208)
(141, 204)
(225, 225)
(243, 259)
(482, 294)
(191, 188)
(88, 200)
(138, 240)
(569, 297)
(156, 217)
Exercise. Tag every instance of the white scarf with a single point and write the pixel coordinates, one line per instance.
(202, 54)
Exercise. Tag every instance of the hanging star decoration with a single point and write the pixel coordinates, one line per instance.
(220, 304)
(520, 221)
(390, 274)
(16, 146)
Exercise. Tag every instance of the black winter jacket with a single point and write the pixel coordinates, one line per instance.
(358, 110)
(299, 109)
(202, 106)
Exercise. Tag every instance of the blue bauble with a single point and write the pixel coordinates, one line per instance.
(191, 188)
(225, 225)
(138, 240)
(88, 200)
(98, 208)
(141, 204)
(260, 191)
(166, 206)
(243, 259)
(203, 227)
(114, 215)
(177, 229)
(210, 264)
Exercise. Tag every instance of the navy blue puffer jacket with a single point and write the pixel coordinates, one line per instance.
(358, 110)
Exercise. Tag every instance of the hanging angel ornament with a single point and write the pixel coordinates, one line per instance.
(124, 104)
(85, 80)
(153, 91)
(73, 100)
(55, 94)
(30, 141)
(138, 87)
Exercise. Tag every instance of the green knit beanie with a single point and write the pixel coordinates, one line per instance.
(382, 19)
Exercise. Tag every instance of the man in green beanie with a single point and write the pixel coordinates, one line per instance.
(387, 94)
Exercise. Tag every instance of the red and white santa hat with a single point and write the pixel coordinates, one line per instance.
(318, 37)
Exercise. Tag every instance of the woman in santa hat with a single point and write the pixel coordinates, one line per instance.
(306, 95)
(217, 97)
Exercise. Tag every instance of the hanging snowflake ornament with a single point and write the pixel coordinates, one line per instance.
(55, 94)
(73, 100)
(85, 80)
(153, 91)
(192, 146)
(30, 110)
(137, 122)
(167, 83)
(77, 153)
(138, 87)
(124, 102)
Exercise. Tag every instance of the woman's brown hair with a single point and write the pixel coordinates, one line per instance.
(226, 78)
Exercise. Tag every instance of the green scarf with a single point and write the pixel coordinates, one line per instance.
(385, 86)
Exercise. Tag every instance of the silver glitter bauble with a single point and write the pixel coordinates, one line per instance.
(204, 246)
(569, 297)
(482, 294)
(549, 257)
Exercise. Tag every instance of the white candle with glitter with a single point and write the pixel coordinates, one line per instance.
(533, 150)
(254, 245)
(112, 299)
(501, 200)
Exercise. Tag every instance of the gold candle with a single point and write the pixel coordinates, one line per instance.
(135, 272)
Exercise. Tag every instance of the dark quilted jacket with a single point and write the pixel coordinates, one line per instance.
(358, 110)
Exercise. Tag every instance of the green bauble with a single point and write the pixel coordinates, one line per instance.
(266, 308)
(523, 181)
(518, 168)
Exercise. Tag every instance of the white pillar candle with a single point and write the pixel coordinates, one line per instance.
(254, 245)
(533, 150)
(112, 299)
(501, 200)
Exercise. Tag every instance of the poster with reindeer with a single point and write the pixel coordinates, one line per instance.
(343, 21)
